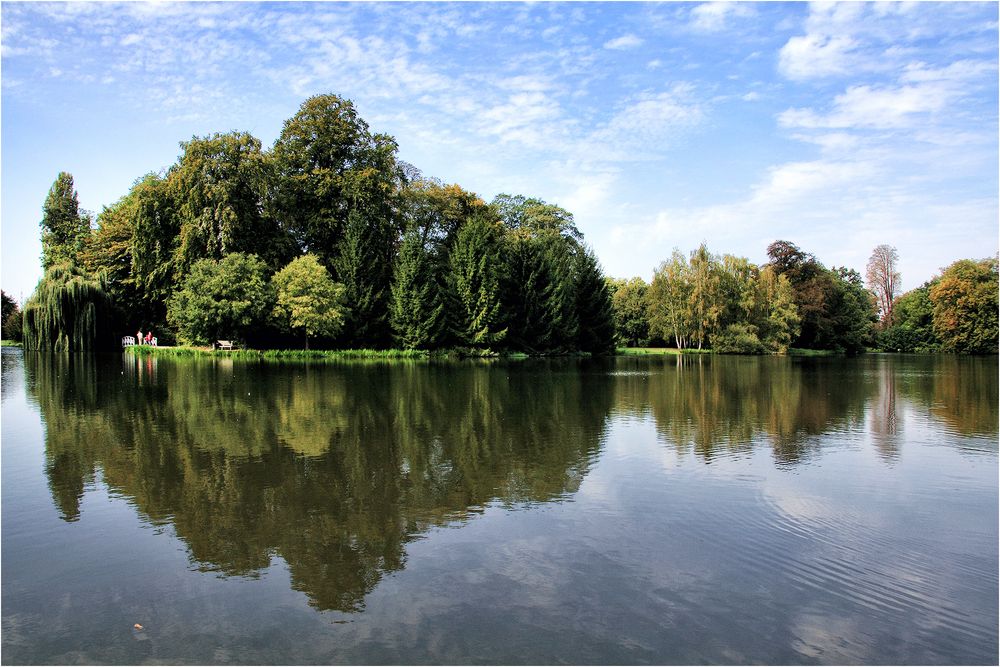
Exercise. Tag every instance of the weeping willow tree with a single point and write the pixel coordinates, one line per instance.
(69, 311)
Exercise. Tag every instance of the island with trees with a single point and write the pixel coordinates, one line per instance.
(328, 240)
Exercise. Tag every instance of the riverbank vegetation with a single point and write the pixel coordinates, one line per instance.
(328, 240)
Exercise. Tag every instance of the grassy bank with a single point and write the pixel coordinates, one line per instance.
(190, 351)
(10, 343)
(644, 351)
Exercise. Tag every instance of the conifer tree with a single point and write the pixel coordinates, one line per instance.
(364, 267)
(476, 265)
(64, 228)
(595, 313)
(417, 308)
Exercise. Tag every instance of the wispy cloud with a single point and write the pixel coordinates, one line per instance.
(624, 42)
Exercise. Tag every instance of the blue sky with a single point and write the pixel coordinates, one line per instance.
(834, 126)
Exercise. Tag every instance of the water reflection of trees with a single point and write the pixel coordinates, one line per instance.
(715, 405)
(333, 469)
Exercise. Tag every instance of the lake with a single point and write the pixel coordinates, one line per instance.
(667, 510)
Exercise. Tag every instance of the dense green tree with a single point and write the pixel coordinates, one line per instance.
(308, 300)
(69, 311)
(64, 226)
(535, 216)
(476, 265)
(327, 164)
(913, 324)
(156, 235)
(628, 298)
(364, 267)
(417, 308)
(965, 304)
(218, 187)
(594, 311)
(836, 311)
(527, 286)
(775, 314)
(222, 299)
(10, 318)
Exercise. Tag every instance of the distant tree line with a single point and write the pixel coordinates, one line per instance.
(325, 236)
(731, 305)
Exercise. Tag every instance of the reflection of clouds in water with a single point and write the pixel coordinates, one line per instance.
(820, 636)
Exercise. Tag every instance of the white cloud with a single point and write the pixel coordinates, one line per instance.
(812, 55)
(628, 41)
(714, 16)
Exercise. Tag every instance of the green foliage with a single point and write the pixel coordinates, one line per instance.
(64, 227)
(668, 301)
(912, 328)
(476, 264)
(535, 216)
(327, 163)
(417, 309)
(964, 300)
(156, 236)
(628, 299)
(836, 311)
(69, 311)
(437, 211)
(218, 189)
(594, 311)
(10, 318)
(364, 267)
(225, 299)
(308, 300)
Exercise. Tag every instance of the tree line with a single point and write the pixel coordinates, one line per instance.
(329, 237)
(326, 236)
(731, 305)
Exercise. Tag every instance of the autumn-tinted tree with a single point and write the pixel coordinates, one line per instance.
(225, 299)
(64, 226)
(883, 277)
(307, 300)
(965, 303)
(327, 164)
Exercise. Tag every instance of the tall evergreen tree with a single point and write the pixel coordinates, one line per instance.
(476, 264)
(64, 226)
(595, 313)
(417, 307)
(364, 266)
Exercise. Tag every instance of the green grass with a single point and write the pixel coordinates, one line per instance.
(10, 343)
(643, 351)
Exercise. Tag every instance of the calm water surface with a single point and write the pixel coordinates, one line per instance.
(637, 510)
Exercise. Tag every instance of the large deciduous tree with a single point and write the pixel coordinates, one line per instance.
(327, 164)
(222, 299)
(64, 226)
(219, 189)
(308, 300)
(628, 298)
(69, 311)
(964, 299)
(883, 279)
